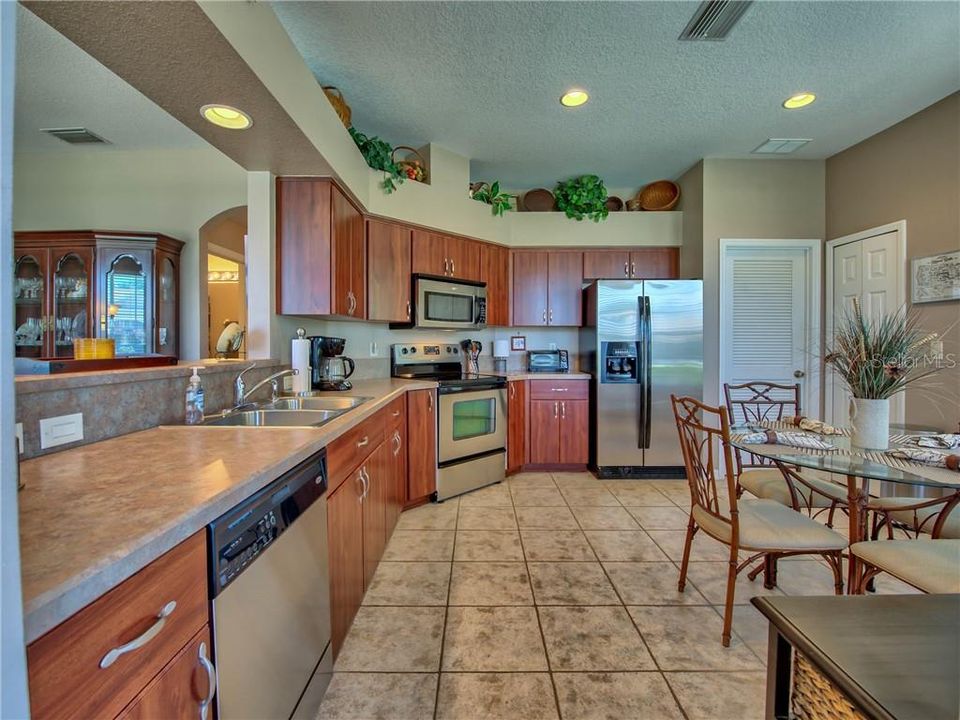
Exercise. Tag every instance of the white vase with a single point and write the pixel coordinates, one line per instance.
(870, 423)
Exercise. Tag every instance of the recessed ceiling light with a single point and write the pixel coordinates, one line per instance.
(226, 116)
(799, 100)
(574, 98)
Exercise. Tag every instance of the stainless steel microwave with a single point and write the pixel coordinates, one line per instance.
(449, 304)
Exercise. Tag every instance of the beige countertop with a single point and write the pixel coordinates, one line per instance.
(523, 375)
(93, 516)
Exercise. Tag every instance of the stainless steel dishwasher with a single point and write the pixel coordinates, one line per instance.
(271, 599)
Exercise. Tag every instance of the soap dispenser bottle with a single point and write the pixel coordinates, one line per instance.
(194, 399)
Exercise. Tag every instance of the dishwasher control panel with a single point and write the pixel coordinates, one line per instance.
(240, 536)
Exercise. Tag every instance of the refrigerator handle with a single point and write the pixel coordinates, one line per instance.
(641, 375)
(647, 371)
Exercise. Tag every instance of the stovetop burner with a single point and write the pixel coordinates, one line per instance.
(440, 362)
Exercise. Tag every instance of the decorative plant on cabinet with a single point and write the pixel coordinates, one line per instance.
(584, 196)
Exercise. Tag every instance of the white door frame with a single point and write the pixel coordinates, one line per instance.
(897, 405)
(814, 251)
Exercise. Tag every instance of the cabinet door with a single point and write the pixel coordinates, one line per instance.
(71, 300)
(345, 538)
(31, 289)
(495, 272)
(388, 272)
(516, 424)
(544, 432)
(429, 253)
(168, 304)
(464, 258)
(183, 689)
(606, 264)
(566, 281)
(530, 283)
(397, 445)
(376, 468)
(421, 445)
(348, 258)
(303, 246)
(574, 439)
(655, 263)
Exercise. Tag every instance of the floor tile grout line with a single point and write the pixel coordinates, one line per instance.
(446, 612)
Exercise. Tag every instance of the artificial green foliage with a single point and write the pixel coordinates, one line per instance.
(499, 202)
(379, 155)
(581, 197)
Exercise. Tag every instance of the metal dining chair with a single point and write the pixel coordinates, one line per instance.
(764, 528)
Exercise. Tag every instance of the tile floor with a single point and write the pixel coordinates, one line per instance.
(555, 596)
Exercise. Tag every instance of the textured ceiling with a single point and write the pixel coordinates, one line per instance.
(59, 85)
(483, 78)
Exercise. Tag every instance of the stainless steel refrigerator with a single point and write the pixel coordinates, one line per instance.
(642, 341)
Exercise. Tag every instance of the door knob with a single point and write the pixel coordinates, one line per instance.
(799, 373)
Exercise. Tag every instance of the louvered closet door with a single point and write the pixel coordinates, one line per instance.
(765, 329)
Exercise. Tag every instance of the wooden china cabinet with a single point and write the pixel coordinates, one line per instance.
(79, 284)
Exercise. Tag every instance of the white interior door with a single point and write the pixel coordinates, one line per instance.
(769, 316)
(869, 270)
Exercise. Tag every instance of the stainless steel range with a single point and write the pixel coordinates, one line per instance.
(472, 416)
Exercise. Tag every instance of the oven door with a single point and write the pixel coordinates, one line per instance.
(446, 304)
(472, 422)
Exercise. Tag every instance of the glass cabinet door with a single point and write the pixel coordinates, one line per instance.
(126, 304)
(29, 290)
(71, 297)
(168, 278)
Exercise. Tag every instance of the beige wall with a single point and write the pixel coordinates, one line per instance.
(910, 171)
(767, 199)
(170, 191)
(691, 205)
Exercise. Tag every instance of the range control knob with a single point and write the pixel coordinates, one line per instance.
(449, 349)
(456, 351)
(403, 351)
(413, 350)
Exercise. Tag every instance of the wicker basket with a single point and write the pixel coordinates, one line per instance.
(659, 195)
(339, 104)
(815, 697)
(539, 200)
(412, 165)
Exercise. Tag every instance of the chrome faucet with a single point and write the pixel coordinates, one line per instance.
(241, 394)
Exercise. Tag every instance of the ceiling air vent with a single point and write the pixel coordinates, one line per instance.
(714, 19)
(780, 146)
(74, 136)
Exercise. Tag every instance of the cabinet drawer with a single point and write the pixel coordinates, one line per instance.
(559, 390)
(396, 412)
(350, 449)
(66, 677)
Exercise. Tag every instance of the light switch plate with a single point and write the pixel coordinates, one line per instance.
(374, 349)
(20, 438)
(61, 430)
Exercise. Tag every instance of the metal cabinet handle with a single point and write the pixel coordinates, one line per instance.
(556, 407)
(626, 269)
(366, 480)
(363, 486)
(453, 267)
(396, 413)
(111, 657)
(446, 266)
(513, 391)
(396, 439)
(211, 679)
(633, 269)
(559, 389)
(430, 402)
(408, 309)
(551, 315)
(563, 410)
(544, 317)
(364, 442)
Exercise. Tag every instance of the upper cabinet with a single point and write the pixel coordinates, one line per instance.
(388, 272)
(446, 256)
(495, 272)
(321, 255)
(70, 285)
(646, 263)
(547, 287)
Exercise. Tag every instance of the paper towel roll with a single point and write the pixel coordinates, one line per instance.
(300, 361)
(501, 348)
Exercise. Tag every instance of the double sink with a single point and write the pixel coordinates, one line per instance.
(303, 411)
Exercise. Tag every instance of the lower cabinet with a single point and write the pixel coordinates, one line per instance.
(422, 446)
(397, 483)
(184, 689)
(377, 477)
(516, 425)
(559, 416)
(345, 534)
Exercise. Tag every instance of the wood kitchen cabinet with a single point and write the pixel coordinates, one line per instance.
(435, 253)
(345, 540)
(421, 446)
(495, 272)
(376, 471)
(388, 272)
(516, 425)
(321, 250)
(558, 425)
(396, 441)
(547, 287)
(638, 263)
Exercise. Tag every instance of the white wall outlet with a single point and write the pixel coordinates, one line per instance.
(20, 438)
(373, 348)
(61, 430)
(553, 346)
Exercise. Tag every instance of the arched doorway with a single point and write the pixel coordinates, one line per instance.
(223, 297)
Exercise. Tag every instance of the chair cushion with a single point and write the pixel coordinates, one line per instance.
(768, 525)
(930, 565)
(913, 518)
(769, 484)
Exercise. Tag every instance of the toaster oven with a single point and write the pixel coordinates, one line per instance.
(548, 361)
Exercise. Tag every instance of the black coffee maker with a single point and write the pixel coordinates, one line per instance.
(330, 369)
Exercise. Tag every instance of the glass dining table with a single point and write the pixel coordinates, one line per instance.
(871, 477)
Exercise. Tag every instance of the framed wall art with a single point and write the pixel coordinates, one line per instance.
(935, 278)
(518, 342)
